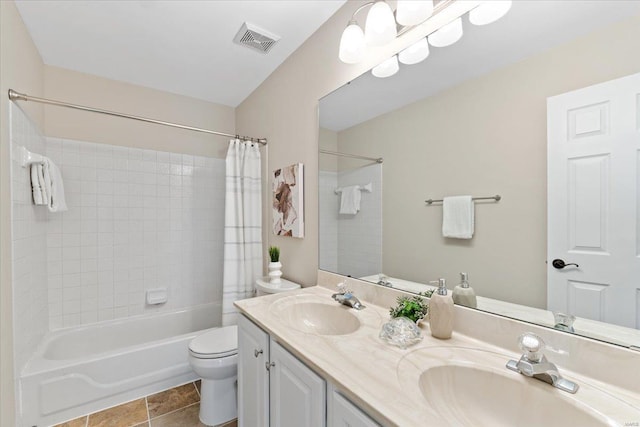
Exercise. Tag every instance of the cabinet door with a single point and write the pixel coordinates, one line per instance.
(298, 395)
(342, 413)
(253, 376)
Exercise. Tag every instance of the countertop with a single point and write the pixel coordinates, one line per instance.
(383, 379)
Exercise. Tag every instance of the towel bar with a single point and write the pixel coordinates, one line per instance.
(366, 188)
(28, 158)
(497, 198)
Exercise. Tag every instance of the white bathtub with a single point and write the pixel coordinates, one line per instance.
(81, 370)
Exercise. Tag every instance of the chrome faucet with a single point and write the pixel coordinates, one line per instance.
(534, 364)
(384, 281)
(345, 297)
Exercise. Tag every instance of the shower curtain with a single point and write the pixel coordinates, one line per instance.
(242, 226)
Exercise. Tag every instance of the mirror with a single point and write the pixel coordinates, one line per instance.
(472, 120)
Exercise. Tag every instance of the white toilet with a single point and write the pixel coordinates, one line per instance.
(214, 358)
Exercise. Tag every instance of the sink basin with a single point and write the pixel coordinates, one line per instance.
(471, 387)
(315, 317)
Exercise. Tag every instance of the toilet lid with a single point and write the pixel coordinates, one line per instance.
(218, 342)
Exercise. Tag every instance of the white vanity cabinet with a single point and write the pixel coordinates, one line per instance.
(342, 413)
(274, 387)
(253, 376)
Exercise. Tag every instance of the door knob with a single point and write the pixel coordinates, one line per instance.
(560, 264)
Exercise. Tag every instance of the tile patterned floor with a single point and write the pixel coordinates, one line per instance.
(177, 407)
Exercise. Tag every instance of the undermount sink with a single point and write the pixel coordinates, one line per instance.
(472, 387)
(314, 317)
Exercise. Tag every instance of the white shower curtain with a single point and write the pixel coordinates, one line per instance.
(242, 226)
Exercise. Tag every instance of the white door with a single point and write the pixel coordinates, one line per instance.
(593, 215)
(342, 413)
(298, 395)
(253, 376)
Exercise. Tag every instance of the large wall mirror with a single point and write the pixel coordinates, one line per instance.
(472, 119)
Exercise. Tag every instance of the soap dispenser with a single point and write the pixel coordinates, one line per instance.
(441, 312)
(463, 294)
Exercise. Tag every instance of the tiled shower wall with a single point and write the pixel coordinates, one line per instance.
(351, 244)
(29, 244)
(360, 235)
(137, 220)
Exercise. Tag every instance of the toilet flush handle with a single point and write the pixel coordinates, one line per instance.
(257, 353)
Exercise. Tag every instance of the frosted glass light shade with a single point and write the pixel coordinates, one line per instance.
(447, 35)
(413, 12)
(386, 69)
(415, 53)
(352, 45)
(489, 11)
(380, 27)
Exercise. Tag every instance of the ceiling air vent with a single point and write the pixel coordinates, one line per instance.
(255, 38)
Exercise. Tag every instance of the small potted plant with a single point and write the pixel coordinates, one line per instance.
(274, 265)
(414, 308)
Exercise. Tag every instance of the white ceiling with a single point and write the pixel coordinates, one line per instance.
(183, 47)
(530, 27)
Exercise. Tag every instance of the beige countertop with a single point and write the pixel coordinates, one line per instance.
(383, 380)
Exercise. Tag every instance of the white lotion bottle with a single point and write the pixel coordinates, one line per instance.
(463, 294)
(441, 312)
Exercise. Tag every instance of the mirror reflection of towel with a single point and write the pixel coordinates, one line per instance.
(350, 200)
(457, 217)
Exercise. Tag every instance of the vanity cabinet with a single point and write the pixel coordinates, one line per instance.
(253, 376)
(274, 387)
(342, 413)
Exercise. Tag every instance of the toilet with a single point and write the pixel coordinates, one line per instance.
(213, 356)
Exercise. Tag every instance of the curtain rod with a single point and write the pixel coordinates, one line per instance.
(16, 96)
(354, 156)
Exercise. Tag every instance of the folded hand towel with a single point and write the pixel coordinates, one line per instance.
(457, 217)
(350, 200)
(53, 187)
(36, 185)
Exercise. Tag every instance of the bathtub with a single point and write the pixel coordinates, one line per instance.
(81, 370)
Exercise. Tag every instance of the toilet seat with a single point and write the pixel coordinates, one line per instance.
(216, 343)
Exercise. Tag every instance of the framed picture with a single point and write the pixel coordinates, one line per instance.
(288, 201)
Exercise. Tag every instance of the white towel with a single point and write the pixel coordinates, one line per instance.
(457, 217)
(36, 184)
(350, 200)
(53, 188)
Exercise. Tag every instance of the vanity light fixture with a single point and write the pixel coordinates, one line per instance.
(381, 28)
(489, 11)
(447, 35)
(413, 12)
(417, 52)
(387, 68)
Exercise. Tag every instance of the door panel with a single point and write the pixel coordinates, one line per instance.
(593, 141)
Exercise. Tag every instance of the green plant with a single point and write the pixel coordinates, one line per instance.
(274, 253)
(414, 308)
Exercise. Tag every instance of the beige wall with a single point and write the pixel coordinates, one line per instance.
(85, 89)
(484, 137)
(284, 108)
(21, 69)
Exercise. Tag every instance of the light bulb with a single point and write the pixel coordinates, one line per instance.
(380, 27)
(387, 68)
(413, 12)
(415, 53)
(352, 46)
(489, 11)
(447, 35)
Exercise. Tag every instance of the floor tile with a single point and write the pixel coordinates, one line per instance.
(198, 385)
(126, 415)
(232, 423)
(185, 417)
(171, 400)
(78, 422)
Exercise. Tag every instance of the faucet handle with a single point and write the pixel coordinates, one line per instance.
(532, 346)
(342, 288)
